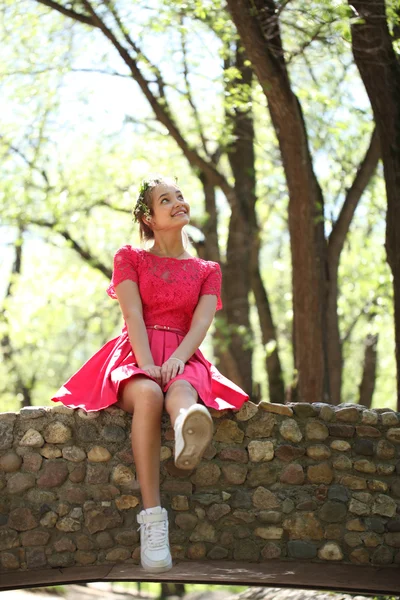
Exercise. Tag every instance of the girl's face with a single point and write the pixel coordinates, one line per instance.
(169, 208)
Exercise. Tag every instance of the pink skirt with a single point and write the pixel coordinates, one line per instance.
(96, 384)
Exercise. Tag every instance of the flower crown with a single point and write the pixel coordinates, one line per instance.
(141, 209)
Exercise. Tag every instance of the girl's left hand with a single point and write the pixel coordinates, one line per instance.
(171, 368)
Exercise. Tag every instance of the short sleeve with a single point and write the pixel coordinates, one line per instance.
(212, 284)
(125, 267)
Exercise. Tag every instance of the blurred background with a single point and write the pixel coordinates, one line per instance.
(96, 95)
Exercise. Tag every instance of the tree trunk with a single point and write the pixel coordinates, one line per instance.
(258, 27)
(380, 71)
(367, 385)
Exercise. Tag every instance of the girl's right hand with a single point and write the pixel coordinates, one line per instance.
(153, 371)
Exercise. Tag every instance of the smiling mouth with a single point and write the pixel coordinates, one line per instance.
(181, 212)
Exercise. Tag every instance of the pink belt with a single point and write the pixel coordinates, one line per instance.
(166, 328)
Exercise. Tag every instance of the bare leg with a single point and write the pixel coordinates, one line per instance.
(180, 394)
(144, 398)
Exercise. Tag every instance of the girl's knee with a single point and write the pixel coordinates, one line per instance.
(182, 386)
(140, 392)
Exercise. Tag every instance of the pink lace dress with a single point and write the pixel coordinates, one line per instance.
(169, 289)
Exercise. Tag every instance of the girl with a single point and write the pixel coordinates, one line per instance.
(168, 299)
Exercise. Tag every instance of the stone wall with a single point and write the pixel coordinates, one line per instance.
(292, 482)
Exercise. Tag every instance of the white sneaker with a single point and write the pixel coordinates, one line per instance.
(194, 429)
(155, 554)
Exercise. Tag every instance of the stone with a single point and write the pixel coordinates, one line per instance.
(180, 503)
(206, 475)
(217, 553)
(340, 430)
(321, 473)
(371, 539)
(352, 482)
(73, 453)
(318, 452)
(269, 533)
(307, 505)
(304, 525)
(49, 519)
(77, 473)
(216, 511)
(196, 551)
(389, 419)
(303, 410)
(125, 502)
(290, 431)
(113, 433)
(53, 475)
(301, 550)
(382, 556)
(327, 413)
(342, 463)
(18, 483)
(340, 445)
(83, 557)
(360, 556)
(364, 466)
(21, 519)
(9, 560)
(104, 540)
(269, 516)
(368, 431)
(101, 518)
(385, 450)
(8, 539)
(57, 433)
(234, 474)
(393, 524)
(384, 506)
(339, 493)
(261, 427)
(330, 551)
(35, 538)
(262, 474)
(332, 512)
(293, 474)
(122, 476)
(228, 431)
(247, 411)
(385, 469)
(375, 524)
(260, 451)
(186, 521)
(32, 462)
(237, 455)
(287, 453)
(246, 550)
(279, 409)
(204, 532)
(364, 447)
(118, 555)
(67, 524)
(241, 499)
(206, 499)
(377, 486)
(369, 417)
(264, 499)
(64, 545)
(348, 415)
(99, 454)
(393, 434)
(31, 438)
(359, 508)
(393, 539)
(271, 551)
(355, 525)
(10, 462)
(287, 506)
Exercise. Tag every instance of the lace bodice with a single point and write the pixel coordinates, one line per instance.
(169, 288)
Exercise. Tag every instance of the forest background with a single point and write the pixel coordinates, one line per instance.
(276, 148)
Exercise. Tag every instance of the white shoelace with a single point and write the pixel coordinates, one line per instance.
(156, 534)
